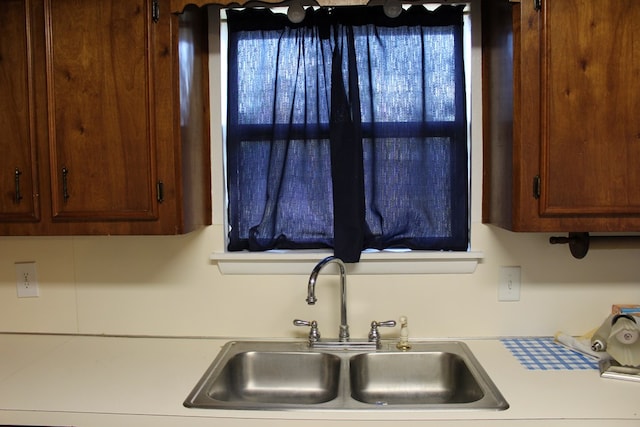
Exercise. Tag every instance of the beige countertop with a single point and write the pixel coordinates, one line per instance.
(96, 381)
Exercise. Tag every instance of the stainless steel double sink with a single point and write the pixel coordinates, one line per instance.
(264, 375)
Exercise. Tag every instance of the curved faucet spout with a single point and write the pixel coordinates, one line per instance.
(311, 292)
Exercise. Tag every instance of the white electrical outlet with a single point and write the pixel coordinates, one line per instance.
(509, 284)
(26, 280)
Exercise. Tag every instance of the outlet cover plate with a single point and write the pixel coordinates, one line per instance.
(26, 280)
(509, 284)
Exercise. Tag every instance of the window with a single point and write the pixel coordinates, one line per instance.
(347, 131)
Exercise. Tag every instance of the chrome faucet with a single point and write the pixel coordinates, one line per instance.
(343, 335)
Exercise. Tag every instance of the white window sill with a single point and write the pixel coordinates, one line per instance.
(381, 262)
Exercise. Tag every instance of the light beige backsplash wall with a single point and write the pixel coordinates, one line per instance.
(150, 285)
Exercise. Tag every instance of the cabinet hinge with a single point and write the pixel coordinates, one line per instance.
(155, 11)
(160, 191)
(537, 4)
(536, 186)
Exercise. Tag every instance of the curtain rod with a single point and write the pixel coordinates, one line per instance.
(392, 8)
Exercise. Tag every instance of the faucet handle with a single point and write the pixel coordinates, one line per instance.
(374, 334)
(314, 333)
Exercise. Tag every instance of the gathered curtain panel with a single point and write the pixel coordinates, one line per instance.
(347, 130)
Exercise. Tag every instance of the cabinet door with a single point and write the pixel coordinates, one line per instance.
(19, 199)
(590, 83)
(561, 122)
(100, 77)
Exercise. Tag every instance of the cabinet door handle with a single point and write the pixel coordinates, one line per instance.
(18, 195)
(155, 11)
(160, 191)
(65, 188)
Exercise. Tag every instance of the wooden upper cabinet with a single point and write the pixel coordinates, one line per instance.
(101, 74)
(591, 107)
(561, 123)
(18, 166)
(120, 151)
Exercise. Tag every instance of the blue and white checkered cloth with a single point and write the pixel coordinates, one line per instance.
(545, 354)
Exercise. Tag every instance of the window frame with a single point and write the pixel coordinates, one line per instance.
(302, 261)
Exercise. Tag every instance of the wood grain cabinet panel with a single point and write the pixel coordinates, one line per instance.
(101, 88)
(122, 151)
(18, 163)
(561, 123)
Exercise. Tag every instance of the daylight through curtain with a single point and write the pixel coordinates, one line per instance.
(347, 131)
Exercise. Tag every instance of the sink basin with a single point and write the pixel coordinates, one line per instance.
(291, 376)
(278, 377)
(413, 378)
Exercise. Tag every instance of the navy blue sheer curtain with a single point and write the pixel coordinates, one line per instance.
(347, 131)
